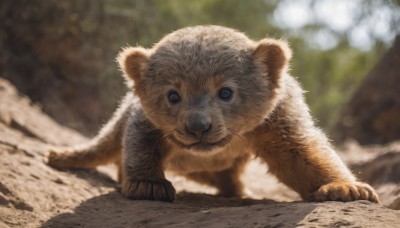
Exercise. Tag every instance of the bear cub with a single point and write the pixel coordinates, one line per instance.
(202, 102)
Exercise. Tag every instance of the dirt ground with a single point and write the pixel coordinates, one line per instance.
(35, 195)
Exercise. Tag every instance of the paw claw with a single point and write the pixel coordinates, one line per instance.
(51, 158)
(345, 192)
(161, 190)
(63, 158)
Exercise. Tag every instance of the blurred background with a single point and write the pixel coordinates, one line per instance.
(61, 53)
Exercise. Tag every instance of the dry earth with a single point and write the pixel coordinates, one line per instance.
(35, 195)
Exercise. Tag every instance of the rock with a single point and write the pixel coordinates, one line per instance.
(33, 194)
(19, 114)
(372, 114)
(378, 166)
(45, 53)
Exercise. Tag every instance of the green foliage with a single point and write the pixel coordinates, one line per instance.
(331, 76)
(154, 18)
(87, 35)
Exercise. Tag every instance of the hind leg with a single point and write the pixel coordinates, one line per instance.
(83, 157)
(105, 148)
(226, 181)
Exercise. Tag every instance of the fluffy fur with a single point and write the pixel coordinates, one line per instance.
(209, 138)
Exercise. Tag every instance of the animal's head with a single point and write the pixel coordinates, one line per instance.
(204, 85)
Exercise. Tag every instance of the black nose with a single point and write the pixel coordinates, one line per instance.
(197, 124)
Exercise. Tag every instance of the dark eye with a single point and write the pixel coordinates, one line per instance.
(225, 93)
(173, 97)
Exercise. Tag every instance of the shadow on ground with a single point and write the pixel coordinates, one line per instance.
(194, 210)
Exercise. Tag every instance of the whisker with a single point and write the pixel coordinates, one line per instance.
(239, 136)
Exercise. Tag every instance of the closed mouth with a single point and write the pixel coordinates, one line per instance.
(201, 145)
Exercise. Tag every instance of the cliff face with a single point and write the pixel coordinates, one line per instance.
(372, 114)
(33, 194)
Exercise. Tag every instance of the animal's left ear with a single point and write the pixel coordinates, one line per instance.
(133, 62)
(273, 55)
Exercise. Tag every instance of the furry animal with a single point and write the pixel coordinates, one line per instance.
(203, 101)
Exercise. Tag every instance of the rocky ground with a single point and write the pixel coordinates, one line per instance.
(35, 195)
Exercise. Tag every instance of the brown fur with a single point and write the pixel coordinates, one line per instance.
(209, 138)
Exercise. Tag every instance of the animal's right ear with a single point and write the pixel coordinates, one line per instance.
(133, 61)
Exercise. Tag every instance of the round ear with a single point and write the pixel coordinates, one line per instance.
(133, 61)
(273, 56)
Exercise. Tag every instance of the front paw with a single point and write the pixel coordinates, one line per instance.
(55, 158)
(344, 191)
(161, 190)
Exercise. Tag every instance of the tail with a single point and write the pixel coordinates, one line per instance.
(105, 148)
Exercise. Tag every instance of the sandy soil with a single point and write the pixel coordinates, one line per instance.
(35, 195)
